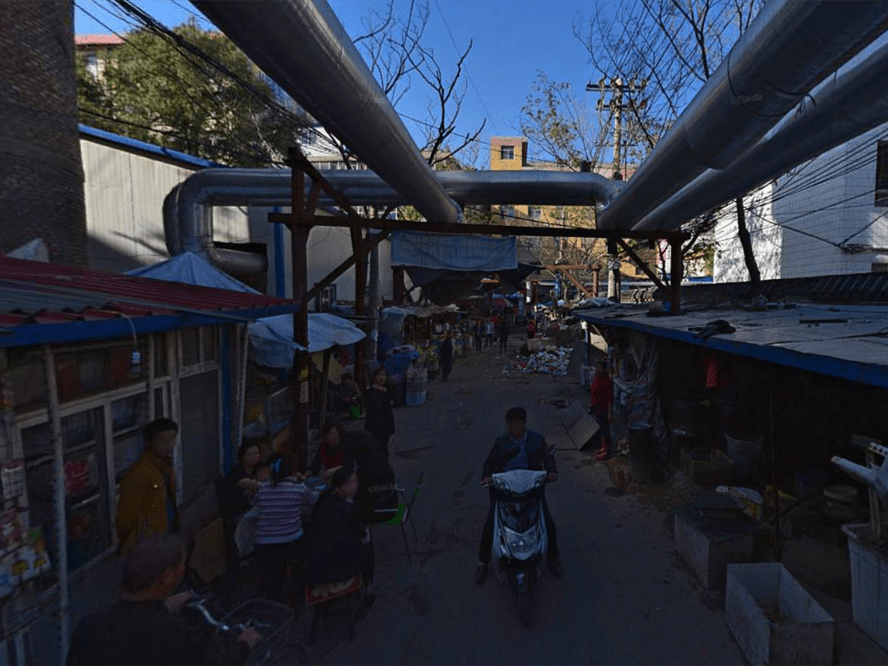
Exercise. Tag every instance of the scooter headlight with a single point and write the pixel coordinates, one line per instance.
(520, 544)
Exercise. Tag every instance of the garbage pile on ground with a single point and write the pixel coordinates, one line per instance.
(545, 361)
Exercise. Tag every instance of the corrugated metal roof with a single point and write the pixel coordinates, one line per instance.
(855, 288)
(98, 40)
(35, 292)
(847, 341)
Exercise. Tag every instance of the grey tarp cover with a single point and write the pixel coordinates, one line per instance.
(452, 252)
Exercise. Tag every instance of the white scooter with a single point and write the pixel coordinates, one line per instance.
(520, 540)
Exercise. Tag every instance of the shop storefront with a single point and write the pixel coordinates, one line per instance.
(79, 384)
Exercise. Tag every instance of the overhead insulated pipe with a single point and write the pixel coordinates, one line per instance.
(188, 209)
(853, 105)
(303, 47)
(790, 47)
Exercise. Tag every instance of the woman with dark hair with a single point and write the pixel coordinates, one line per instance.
(281, 504)
(331, 450)
(340, 546)
(235, 495)
(380, 418)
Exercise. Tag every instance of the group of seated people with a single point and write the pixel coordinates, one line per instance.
(290, 522)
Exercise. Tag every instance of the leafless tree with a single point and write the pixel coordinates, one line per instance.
(675, 45)
(392, 45)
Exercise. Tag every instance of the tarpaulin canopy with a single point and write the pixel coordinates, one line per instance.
(272, 344)
(189, 268)
(271, 339)
(454, 253)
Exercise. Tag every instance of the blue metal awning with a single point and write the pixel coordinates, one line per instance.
(848, 342)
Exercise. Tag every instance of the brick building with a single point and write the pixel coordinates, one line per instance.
(41, 176)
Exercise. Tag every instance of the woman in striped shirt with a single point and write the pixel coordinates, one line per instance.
(282, 503)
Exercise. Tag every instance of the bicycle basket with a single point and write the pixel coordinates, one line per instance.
(272, 620)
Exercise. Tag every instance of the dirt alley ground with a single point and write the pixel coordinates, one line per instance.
(625, 597)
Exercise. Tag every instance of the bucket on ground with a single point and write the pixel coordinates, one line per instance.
(745, 453)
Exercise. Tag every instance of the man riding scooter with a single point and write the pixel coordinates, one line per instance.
(519, 448)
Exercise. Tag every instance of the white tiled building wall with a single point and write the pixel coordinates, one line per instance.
(807, 214)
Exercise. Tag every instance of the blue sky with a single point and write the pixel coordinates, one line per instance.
(512, 40)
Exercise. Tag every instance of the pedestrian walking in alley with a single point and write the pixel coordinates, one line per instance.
(148, 492)
(601, 406)
(446, 357)
(503, 336)
(477, 334)
(518, 448)
(380, 420)
(279, 532)
(144, 627)
(531, 329)
(490, 328)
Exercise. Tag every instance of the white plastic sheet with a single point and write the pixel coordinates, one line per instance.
(272, 344)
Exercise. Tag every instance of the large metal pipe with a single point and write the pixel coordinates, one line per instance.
(853, 105)
(304, 48)
(188, 209)
(791, 46)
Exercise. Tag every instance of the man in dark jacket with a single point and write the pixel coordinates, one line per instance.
(519, 448)
(144, 627)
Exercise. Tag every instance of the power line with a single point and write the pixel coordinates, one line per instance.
(456, 50)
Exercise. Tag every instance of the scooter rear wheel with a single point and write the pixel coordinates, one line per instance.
(524, 602)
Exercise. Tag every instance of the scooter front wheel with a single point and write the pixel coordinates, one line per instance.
(524, 602)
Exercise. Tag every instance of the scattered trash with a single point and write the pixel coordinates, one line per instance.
(546, 361)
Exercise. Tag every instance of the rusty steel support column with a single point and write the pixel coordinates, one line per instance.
(595, 278)
(677, 275)
(360, 254)
(299, 265)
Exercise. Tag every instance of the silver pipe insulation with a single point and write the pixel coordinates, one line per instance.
(303, 47)
(188, 208)
(855, 104)
(790, 47)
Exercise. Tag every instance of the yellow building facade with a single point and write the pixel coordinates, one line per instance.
(511, 153)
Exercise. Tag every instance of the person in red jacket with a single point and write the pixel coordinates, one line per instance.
(601, 406)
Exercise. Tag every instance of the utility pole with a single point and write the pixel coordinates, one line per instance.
(621, 99)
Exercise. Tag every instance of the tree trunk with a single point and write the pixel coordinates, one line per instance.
(41, 169)
(755, 278)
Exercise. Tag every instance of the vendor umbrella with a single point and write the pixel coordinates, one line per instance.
(502, 303)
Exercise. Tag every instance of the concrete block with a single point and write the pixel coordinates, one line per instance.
(709, 551)
(774, 619)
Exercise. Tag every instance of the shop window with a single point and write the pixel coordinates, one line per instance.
(507, 152)
(86, 485)
(161, 408)
(209, 351)
(88, 371)
(128, 417)
(190, 347)
(26, 375)
(161, 356)
(882, 174)
(199, 432)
